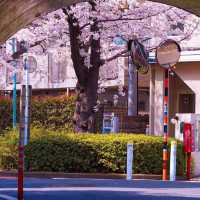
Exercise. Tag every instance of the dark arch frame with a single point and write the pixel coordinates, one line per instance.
(16, 14)
(192, 6)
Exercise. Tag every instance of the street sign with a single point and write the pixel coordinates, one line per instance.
(139, 56)
(119, 41)
(168, 53)
(12, 46)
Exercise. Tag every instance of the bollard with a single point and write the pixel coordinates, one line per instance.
(173, 161)
(129, 169)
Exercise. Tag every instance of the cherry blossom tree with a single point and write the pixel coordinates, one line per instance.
(90, 29)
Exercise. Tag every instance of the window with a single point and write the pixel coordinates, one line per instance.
(57, 69)
(32, 64)
(141, 106)
(187, 103)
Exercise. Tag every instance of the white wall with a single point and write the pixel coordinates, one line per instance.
(190, 74)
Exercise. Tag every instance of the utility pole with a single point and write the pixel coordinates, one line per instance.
(132, 88)
(167, 54)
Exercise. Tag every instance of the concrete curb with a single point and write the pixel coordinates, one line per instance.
(78, 175)
(82, 175)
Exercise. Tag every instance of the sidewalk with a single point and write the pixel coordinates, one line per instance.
(98, 189)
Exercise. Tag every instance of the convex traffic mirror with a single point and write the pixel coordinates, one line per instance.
(168, 53)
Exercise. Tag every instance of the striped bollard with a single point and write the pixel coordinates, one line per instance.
(165, 138)
(173, 161)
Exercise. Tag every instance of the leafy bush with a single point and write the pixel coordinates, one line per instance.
(53, 151)
(53, 112)
(6, 113)
(47, 112)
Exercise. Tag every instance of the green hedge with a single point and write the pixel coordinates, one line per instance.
(5, 113)
(47, 112)
(61, 152)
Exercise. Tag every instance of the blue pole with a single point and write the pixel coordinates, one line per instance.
(14, 99)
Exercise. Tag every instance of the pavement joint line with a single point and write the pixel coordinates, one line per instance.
(150, 191)
(6, 197)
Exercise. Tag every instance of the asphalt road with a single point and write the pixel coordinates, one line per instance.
(93, 189)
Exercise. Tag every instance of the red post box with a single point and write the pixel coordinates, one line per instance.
(188, 137)
(189, 145)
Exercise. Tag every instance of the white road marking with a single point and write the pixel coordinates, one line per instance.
(173, 192)
(6, 197)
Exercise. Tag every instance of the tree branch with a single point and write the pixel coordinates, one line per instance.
(114, 57)
(125, 18)
(187, 36)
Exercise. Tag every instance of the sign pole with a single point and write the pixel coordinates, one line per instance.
(168, 54)
(132, 88)
(14, 99)
(21, 169)
(26, 110)
(14, 104)
(21, 148)
(165, 137)
(24, 129)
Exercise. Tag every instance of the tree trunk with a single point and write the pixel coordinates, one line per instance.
(86, 89)
(85, 103)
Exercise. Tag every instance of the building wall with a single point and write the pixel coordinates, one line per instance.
(190, 73)
(176, 88)
(57, 74)
(186, 82)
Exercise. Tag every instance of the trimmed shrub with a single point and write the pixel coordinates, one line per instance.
(61, 152)
(6, 113)
(48, 112)
(53, 112)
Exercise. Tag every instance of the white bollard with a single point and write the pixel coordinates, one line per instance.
(129, 168)
(173, 161)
